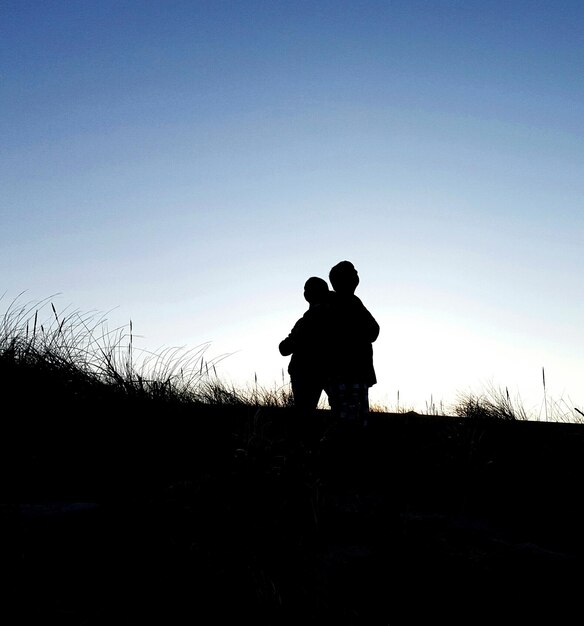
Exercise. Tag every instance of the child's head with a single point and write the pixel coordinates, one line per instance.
(344, 278)
(315, 290)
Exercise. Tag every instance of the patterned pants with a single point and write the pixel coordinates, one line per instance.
(349, 401)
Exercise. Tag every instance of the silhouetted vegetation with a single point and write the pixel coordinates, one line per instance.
(142, 488)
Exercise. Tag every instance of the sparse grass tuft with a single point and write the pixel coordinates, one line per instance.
(494, 403)
(212, 390)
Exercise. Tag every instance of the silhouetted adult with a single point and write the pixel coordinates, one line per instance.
(307, 345)
(352, 330)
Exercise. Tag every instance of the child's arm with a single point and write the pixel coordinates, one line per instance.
(288, 346)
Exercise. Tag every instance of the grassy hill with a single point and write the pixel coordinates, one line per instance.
(149, 512)
(128, 499)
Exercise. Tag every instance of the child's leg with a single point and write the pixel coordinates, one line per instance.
(306, 394)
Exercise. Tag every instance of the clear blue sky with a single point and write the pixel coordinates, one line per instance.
(192, 163)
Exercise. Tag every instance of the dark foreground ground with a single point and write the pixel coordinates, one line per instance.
(219, 515)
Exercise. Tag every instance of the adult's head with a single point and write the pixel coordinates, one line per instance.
(344, 278)
(315, 290)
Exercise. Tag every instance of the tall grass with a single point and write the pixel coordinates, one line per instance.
(497, 403)
(493, 403)
(82, 352)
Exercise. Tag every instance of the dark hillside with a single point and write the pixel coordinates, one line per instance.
(121, 509)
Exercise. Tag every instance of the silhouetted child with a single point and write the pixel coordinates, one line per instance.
(306, 344)
(352, 330)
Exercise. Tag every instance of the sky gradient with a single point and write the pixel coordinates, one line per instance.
(190, 164)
